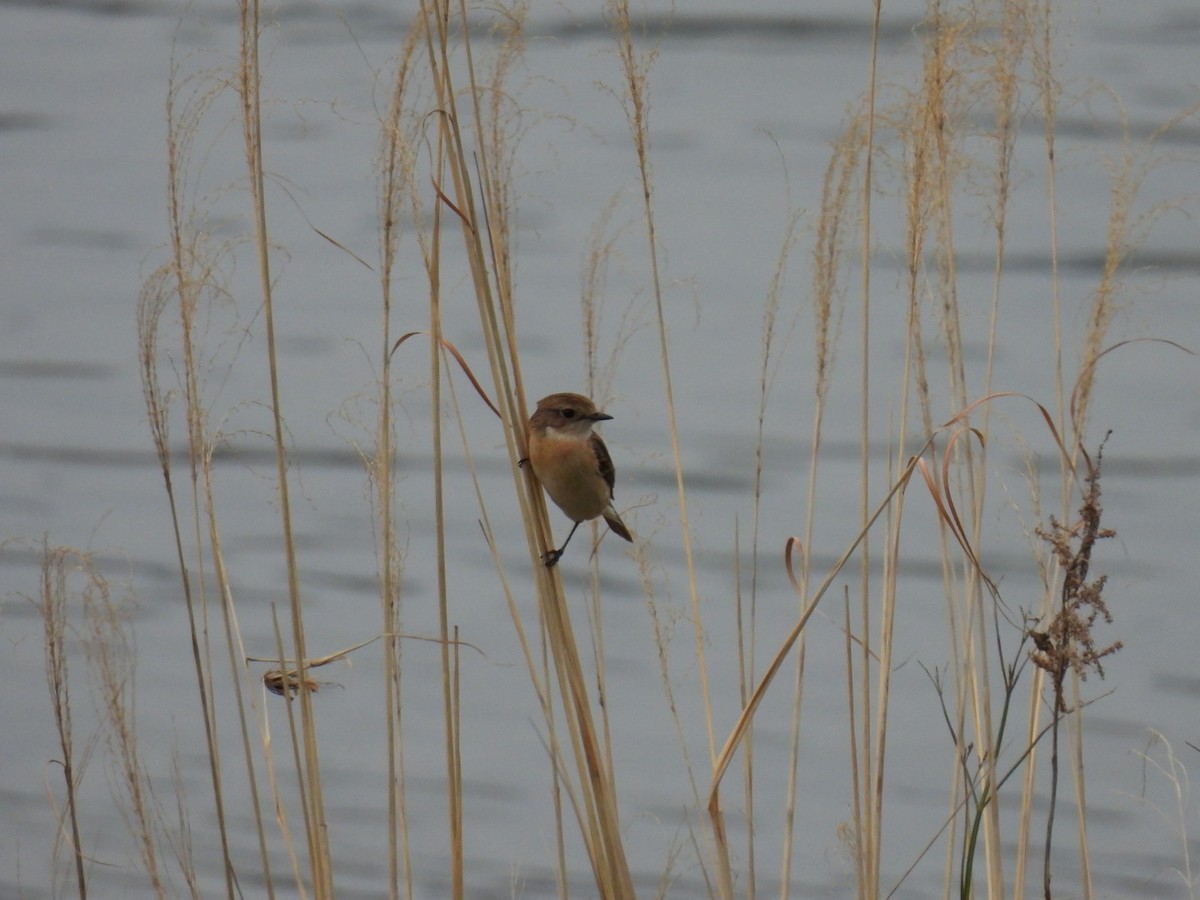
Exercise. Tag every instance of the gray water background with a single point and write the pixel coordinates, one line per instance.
(738, 97)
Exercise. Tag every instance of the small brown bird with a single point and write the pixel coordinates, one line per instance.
(572, 463)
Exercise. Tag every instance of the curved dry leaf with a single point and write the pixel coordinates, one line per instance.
(740, 727)
(1087, 370)
(462, 364)
(794, 543)
(962, 414)
(956, 520)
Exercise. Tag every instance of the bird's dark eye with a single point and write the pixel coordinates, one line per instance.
(568, 413)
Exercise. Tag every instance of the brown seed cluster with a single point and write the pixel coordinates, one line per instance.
(1067, 642)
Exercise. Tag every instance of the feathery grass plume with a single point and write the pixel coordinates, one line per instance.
(601, 245)
(1044, 59)
(1172, 770)
(191, 285)
(58, 564)
(1127, 229)
(106, 632)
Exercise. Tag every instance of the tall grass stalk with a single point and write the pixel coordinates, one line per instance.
(635, 67)
(250, 82)
(866, 804)
(484, 242)
(397, 190)
(747, 620)
(449, 717)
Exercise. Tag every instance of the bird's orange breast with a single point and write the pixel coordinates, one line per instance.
(568, 470)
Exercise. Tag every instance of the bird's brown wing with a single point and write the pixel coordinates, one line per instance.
(604, 462)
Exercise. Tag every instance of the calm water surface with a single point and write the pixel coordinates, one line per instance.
(744, 110)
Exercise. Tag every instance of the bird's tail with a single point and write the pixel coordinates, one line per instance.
(615, 523)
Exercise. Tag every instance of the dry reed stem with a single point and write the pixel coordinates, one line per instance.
(600, 827)
(1048, 91)
(250, 82)
(236, 652)
(663, 630)
(297, 763)
(837, 193)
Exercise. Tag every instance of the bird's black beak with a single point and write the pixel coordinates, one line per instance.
(600, 417)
